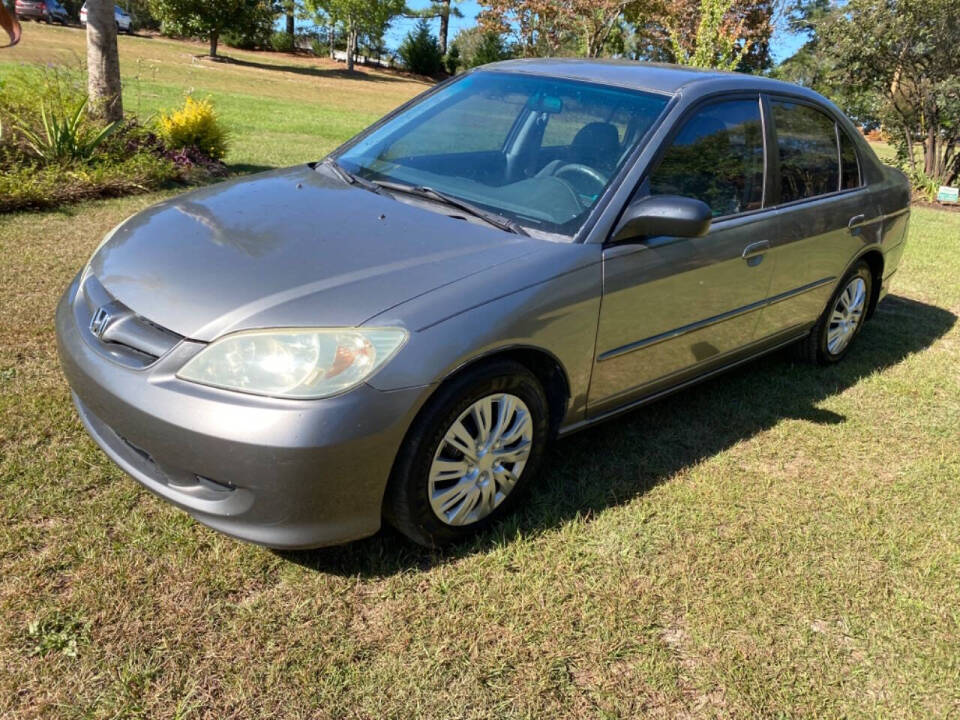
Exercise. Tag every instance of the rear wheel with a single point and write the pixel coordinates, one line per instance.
(841, 322)
(470, 455)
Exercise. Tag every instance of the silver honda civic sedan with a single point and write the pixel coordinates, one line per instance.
(401, 330)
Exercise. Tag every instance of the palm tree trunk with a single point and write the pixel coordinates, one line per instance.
(103, 61)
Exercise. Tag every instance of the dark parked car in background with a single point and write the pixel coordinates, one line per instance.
(49, 11)
(401, 330)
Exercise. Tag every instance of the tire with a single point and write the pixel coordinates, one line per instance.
(499, 384)
(819, 347)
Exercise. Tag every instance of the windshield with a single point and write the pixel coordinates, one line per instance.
(539, 151)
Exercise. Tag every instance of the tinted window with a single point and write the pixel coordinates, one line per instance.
(849, 168)
(718, 158)
(807, 141)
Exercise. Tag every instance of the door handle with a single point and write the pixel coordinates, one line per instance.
(755, 249)
(855, 221)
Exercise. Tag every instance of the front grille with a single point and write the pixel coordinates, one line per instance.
(116, 330)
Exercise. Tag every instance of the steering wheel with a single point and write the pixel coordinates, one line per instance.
(579, 169)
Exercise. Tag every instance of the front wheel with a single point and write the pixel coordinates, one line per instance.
(841, 322)
(470, 455)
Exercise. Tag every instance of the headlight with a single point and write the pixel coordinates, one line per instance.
(294, 363)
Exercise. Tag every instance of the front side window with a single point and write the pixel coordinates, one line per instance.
(718, 158)
(807, 143)
(537, 150)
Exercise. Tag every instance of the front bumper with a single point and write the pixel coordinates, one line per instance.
(280, 473)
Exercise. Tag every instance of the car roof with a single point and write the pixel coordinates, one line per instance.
(655, 77)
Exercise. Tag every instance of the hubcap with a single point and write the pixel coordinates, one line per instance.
(846, 315)
(480, 459)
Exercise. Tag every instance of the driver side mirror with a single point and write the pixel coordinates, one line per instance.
(663, 215)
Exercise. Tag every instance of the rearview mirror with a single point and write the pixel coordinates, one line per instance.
(663, 215)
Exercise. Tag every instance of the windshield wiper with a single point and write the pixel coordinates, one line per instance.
(349, 177)
(491, 218)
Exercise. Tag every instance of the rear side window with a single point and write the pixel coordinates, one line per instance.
(849, 165)
(718, 158)
(807, 143)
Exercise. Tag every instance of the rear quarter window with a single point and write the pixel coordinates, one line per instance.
(850, 176)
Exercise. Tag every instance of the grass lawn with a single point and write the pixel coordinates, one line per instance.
(783, 541)
(281, 109)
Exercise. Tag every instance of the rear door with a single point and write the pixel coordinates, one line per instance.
(676, 306)
(824, 210)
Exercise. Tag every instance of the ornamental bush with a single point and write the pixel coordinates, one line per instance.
(194, 126)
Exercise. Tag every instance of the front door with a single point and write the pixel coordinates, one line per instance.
(678, 306)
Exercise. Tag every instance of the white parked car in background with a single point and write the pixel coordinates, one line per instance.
(124, 21)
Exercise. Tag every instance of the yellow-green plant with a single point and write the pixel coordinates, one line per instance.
(195, 125)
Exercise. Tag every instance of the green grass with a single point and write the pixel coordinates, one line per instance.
(783, 541)
(281, 109)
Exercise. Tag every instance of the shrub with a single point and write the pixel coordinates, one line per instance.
(420, 52)
(452, 61)
(33, 186)
(252, 34)
(281, 42)
(51, 153)
(924, 186)
(64, 137)
(490, 49)
(320, 48)
(194, 126)
(479, 47)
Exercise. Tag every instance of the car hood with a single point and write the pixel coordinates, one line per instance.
(295, 247)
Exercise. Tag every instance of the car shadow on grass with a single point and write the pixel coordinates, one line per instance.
(616, 461)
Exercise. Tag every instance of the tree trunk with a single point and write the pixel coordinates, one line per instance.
(351, 47)
(103, 61)
(333, 38)
(214, 38)
(291, 28)
(908, 139)
(930, 150)
(444, 25)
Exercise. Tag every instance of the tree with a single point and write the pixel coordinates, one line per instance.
(808, 66)
(208, 19)
(289, 11)
(904, 54)
(555, 27)
(356, 18)
(420, 52)
(103, 62)
(477, 47)
(490, 49)
(668, 31)
(717, 44)
(444, 10)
